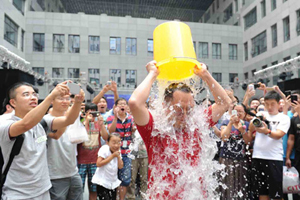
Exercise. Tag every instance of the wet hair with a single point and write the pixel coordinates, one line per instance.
(272, 95)
(169, 91)
(120, 99)
(113, 134)
(90, 106)
(12, 89)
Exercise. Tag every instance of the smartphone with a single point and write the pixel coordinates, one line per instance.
(108, 83)
(95, 113)
(251, 87)
(256, 85)
(287, 93)
(294, 98)
(234, 112)
(74, 88)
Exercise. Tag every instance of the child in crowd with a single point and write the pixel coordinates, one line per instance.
(108, 162)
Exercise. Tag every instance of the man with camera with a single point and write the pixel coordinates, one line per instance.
(88, 151)
(267, 164)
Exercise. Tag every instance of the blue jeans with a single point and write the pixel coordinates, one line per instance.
(124, 174)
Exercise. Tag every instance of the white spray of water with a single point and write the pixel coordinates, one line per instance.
(186, 169)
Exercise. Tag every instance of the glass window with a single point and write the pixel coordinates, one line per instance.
(218, 20)
(232, 77)
(227, 13)
(246, 50)
(274, 63)
(195, 48)
(74, 44)
(252, 72)
(213, 7)
(218, 4)
(274, 35)
(22, 40)
(94, 44)
(287, 58)
(286, 29)
(246, 75)
(115, 75)
(273, 4)
(298, 22)
(206, 16)
(130, 46)
(216, 51)
(39, 70)
(11, 31)
(233, 52)
(217, 76)
(58, 73)
(259, 44)
(150, 47)
(203, 50)
(19, 4)
(58, 42)
(264, 67)
(236, 5)
(263, 8)
(115, 45)
(73, 73)
(250, 18)
(38, 42)
(94, 76)
(131, 78)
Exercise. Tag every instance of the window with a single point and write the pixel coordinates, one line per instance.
(286, 29)
(206, 16)
(130, 46)
(227, 13)
(39, 70)
(216, 51)
(73, 73)
(298, 22)
(259, 44)
(274, 63)
(94, 44)
(131, 78)
(263, 8)
(38, 42)
(274, 35)
(74, 44)
(203, 50)
(250, 18)
(217, 76)
(236, 5)
(58, 73)
(19, 4)
(22, 40)
(232, 51)
(115, 45)
(246, 50)
(195, 48)
(252, 72)
(218, 20)
(246, 75)
(94, 76)
(58, 43)
(232, 77)
(213, 7)
(218, 4)
(11, 31)
(273, 4)
(264, 67)
(115, 75)
(150, 47)
(287, 58)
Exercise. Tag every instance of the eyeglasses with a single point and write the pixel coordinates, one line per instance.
(121, 104)
(63, 99)
(27, 95)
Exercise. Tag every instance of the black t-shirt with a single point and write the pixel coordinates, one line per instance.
(295, 130)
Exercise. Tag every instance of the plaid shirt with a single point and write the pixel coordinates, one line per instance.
(124, 129)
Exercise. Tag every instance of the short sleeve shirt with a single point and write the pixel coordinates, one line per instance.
(28, 175)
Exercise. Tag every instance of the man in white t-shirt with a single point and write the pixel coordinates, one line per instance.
(267, 156)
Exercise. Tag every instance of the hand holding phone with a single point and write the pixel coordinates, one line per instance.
(294, 98)
(234, 112)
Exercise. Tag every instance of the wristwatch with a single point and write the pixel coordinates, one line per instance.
(269, 132)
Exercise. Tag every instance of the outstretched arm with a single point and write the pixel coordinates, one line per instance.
(141, 94)
(221, 98)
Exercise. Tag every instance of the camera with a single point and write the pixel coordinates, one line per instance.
(258, 121)
(95, 113)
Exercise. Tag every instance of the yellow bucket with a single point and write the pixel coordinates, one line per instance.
(174, 51)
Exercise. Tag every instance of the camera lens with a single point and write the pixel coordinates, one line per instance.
(257, 122)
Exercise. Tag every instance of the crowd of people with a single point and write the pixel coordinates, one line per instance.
(125, 155)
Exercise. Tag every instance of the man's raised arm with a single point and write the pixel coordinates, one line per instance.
(141, 94)
(221, 98)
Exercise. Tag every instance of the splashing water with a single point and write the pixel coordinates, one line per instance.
(182, 166)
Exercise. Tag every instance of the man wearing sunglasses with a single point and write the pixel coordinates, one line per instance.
(164, 152)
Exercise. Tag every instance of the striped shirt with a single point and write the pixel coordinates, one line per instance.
(124, 129)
